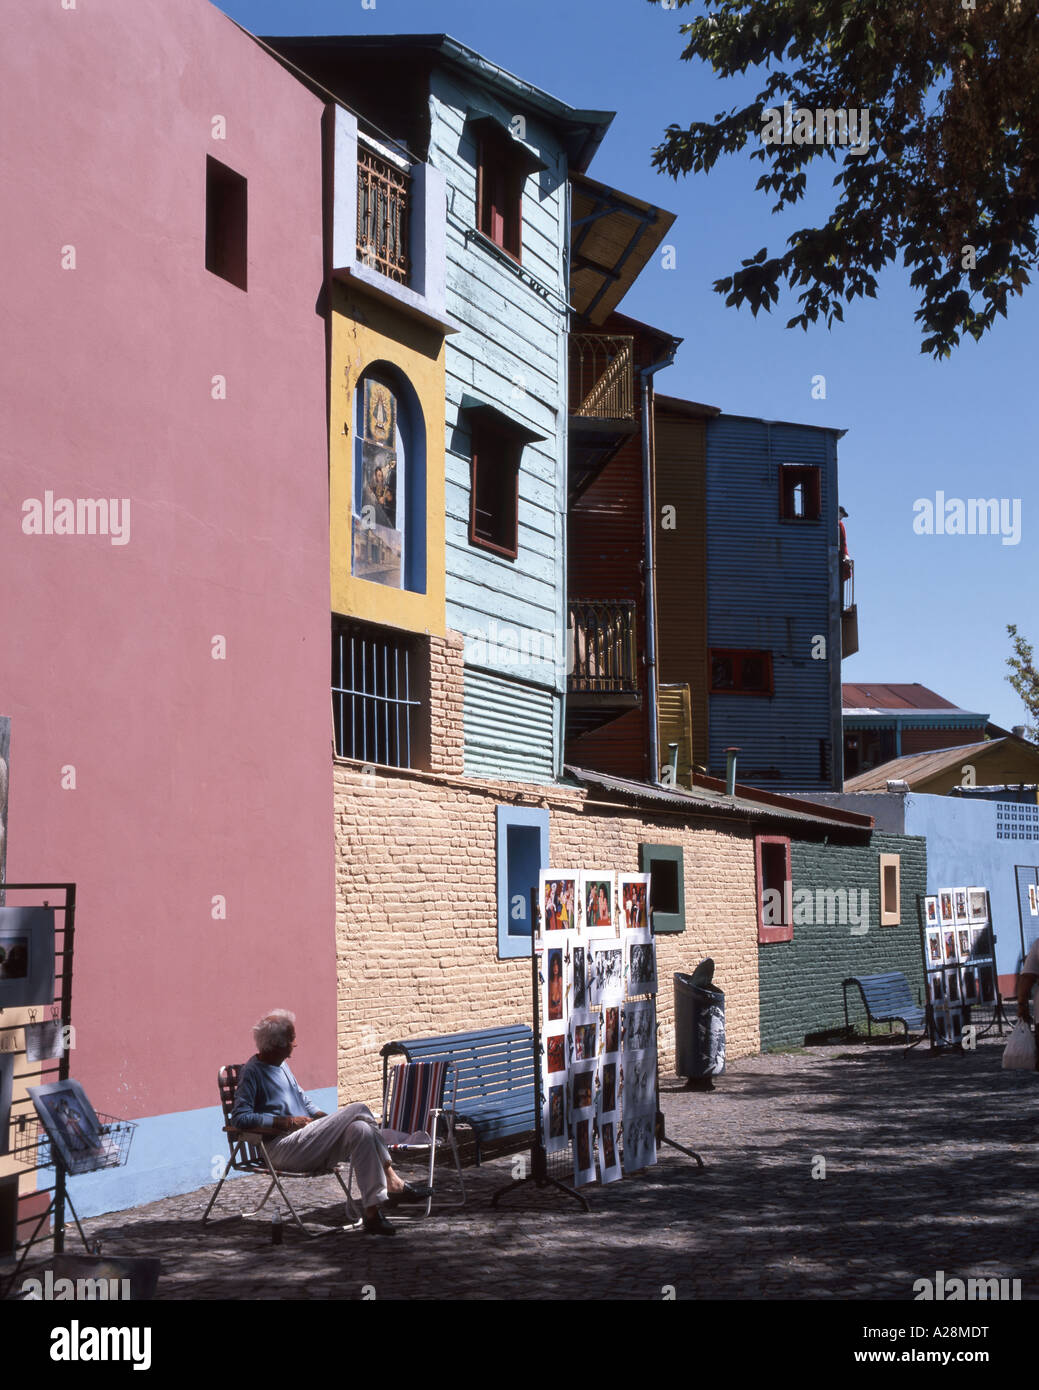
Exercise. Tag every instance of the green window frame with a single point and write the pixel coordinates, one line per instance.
(667, 865)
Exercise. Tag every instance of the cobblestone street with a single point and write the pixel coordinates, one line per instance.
(929, 1165)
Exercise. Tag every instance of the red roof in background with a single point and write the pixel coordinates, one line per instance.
(867, 696)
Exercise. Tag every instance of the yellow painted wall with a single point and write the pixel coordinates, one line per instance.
(365, 331)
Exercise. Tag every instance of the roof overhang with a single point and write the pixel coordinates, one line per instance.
(613, 235)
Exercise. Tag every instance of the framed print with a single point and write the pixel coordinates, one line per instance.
(945, 911)
(584, 1089)
(640, 1081)
(597, 900)
(950, 945)
(641, 963)
(639, 1148)
(554, 991)
(379, 486)
(611, 1028)
(556, 1136)
(380, 413)
(970, 992)
(633, 892)
(952, 986)
(959, 903)
(609, 1096)
(557, 896)
(584, 1031)
(977, 905)
(982, 943)
(607, 972)
(377, 554)
(6, 1088)
(640, 1028)
(44, 1041)
(931, 910)
(555, 1053)
(963, 943)
(937, 989)
(26, 956)
(987, 983)
(584, 1155)
(579, 977)
(1033, 900)
(609, 1157)
(71, 1124)
(934, 946)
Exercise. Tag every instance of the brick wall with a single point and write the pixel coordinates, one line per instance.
(800, 980)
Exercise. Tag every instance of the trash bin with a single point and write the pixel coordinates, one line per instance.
(699, 1028)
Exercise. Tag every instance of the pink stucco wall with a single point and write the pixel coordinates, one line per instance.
(194, 777)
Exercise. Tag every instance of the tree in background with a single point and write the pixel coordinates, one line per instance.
(950, 181)
(1024, 677)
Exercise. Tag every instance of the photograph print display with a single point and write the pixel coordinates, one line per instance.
(609, 1158)
(556, 1136)
(607, 972)
(931, 910)
(640, 1076)
(959, 903)
(945, 907)
(554, 985)
(379, 487)
(557, 900)
(26, 956)
(950, 945)
(963, 942)
(584, 1089)
(611, 1029)
(934, 947)
(609, 1088)
(639, 1141)
(641, 963)
(579, 999)
(584, 1157)
(597, 899)
(555, 1053)
(586, 1036)
(1033, 900)
(970, 985)
(640, 1029)
(977, 905)
(380, 413)
(633, 893)
(937, 992)
(44, 1041)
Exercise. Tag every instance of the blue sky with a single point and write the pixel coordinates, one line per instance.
(932, 609)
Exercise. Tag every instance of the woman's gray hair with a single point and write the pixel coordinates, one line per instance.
(275, 1029)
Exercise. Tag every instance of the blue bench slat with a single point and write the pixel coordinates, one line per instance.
(889, 999)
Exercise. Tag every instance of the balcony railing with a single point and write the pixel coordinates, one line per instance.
(602, 376)
(848, 567)
(382, 213)
(604, 649)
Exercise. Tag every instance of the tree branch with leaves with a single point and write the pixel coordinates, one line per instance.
(1024, 677)
(950, 182)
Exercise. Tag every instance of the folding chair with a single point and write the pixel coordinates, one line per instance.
(249, 1155)
(414, 1100)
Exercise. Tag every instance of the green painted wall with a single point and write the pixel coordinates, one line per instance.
(799, 981)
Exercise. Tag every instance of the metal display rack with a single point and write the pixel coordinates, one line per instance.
(29, 1143)
(973, 1011)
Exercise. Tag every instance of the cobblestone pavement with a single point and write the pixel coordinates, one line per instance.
(930, 1164)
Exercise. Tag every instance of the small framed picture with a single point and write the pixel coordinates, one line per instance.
(963, 942)
(640, 1028)
(950, 945)
(633, 892)
(584, 1089)
(610, 1094)
(579, 978)
(959, 903)
(981, 943)
(934, 946)
(554, 990)
(931, 910)
(598, 900)
(937, 989)
(71, 1124)
(555, 1053)
(609, 1155)
(987, 983)
(977, 905)
(970, 985)
(641, 963)
(585, 1033)
(584, 1153)
(1033, 900)
(556, 1136)
(557, 899)
(639, 1140)
(945, 909)
(952, 986)
(26, 956)
(611, 1029)
(607, 972)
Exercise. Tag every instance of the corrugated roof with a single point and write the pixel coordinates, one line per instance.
(707, 800)
(674, 405)
(862, 695)
(919, 767)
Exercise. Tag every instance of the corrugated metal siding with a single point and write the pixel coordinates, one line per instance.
(605, 563)
(510, 728)
(681, 482)
(511, 353)
(769, 589)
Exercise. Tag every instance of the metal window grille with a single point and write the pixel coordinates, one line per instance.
(382, 214)
(374, 712)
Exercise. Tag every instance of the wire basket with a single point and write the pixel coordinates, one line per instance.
(33, 1146)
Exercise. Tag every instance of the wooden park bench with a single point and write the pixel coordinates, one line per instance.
(888, 999)
(494, 1071)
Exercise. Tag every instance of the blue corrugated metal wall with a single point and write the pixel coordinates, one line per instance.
(511, 354)
(771, 587)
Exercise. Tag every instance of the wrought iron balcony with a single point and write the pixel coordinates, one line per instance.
(605, 660)
(383, 186)
(849, 610)
(602, 376)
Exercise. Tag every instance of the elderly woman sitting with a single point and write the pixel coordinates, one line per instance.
(269, 1099)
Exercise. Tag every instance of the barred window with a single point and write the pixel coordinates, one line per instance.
(379, 677)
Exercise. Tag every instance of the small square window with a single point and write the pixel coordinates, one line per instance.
(800, 493)
(494, 490)
(741, 673)
(666, 864)
(775, 888)
(227, 223)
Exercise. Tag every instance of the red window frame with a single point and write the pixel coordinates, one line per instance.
(738, 656)
(765, 848)
(494, 470)
(500, 176)
(810, 477)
